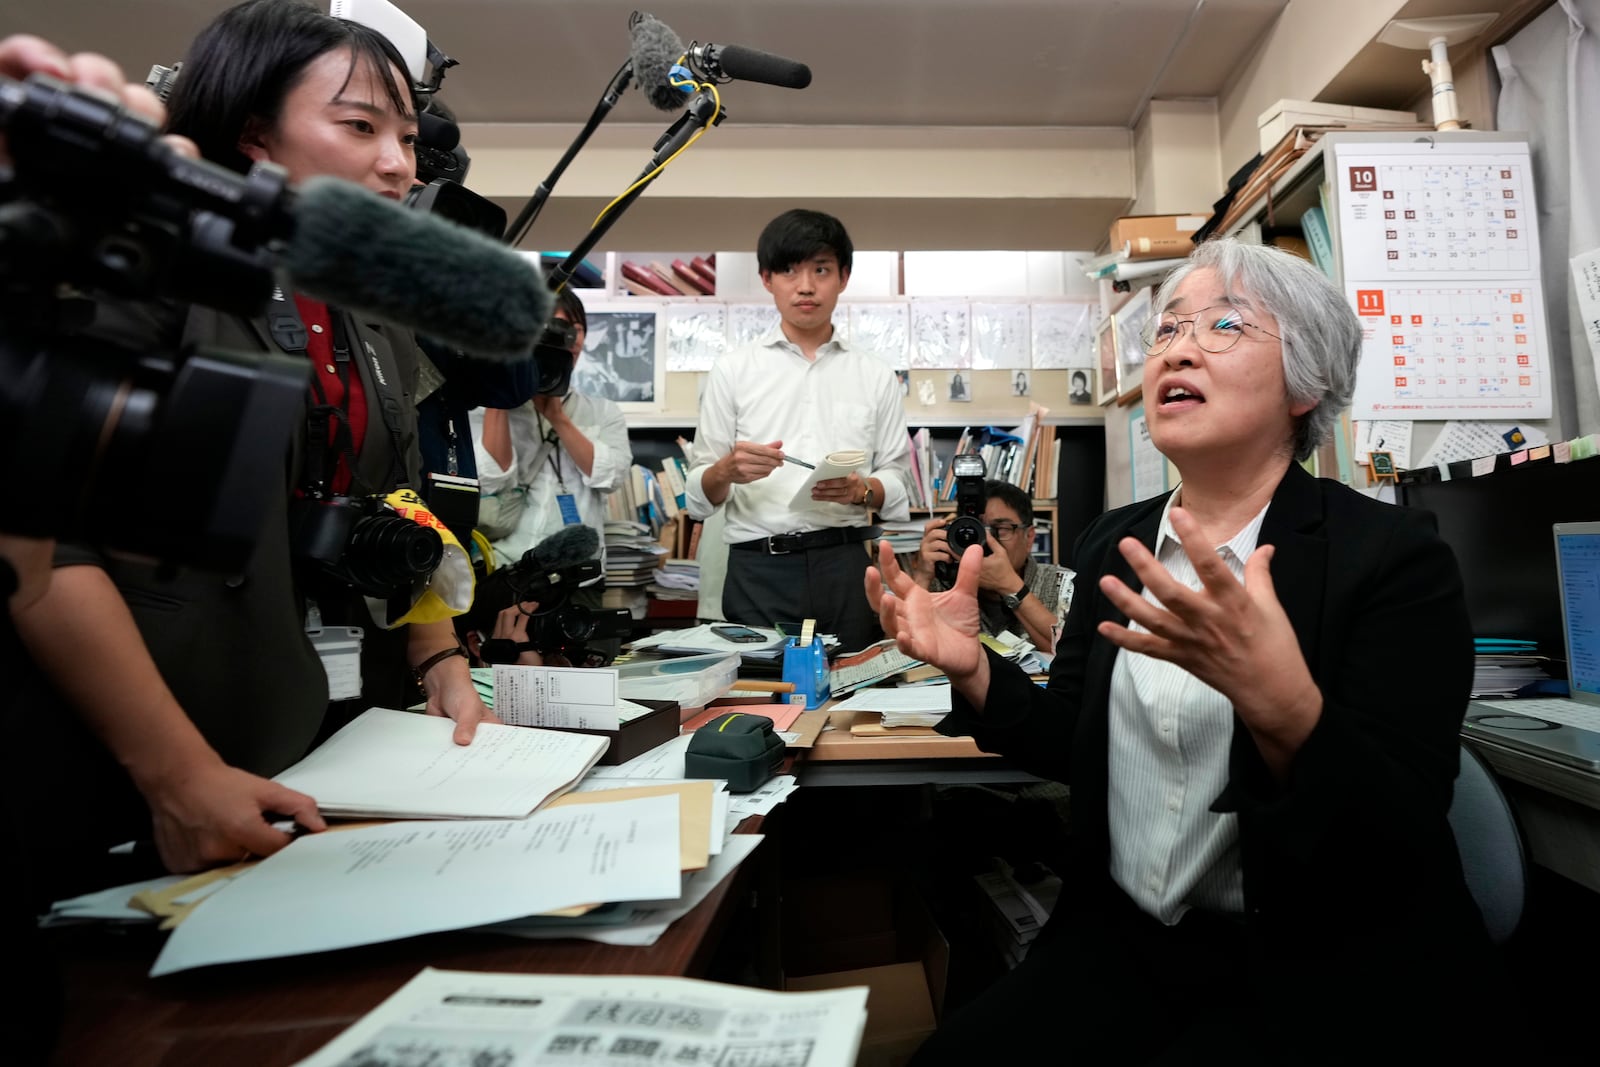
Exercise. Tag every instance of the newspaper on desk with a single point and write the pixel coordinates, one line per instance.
(469, 1017)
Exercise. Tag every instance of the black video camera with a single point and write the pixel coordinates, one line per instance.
(95, 201)
(360, 542)
(559, 628)
(967, 528)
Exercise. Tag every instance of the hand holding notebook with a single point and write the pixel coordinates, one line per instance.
(834, 465)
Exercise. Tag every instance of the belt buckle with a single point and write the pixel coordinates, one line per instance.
(789, 543)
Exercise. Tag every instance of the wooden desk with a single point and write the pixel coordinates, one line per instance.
(276, 1012)
(839, 758)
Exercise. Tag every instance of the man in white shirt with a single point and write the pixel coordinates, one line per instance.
(551, 462)
(800, 393)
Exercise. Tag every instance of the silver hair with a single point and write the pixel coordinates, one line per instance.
(1321, 334)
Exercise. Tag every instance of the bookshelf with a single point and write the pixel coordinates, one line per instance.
(1080, 481)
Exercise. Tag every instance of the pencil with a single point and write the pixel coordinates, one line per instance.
(800, 463)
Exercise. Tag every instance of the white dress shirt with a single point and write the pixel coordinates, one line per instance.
(1170, 734)
(846, 398)
(519, 504)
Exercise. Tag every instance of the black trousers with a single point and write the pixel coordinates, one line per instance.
(826, 584)
(1114, 987)
(1109, 984)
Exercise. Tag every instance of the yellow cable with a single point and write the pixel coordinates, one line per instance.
(717, 110)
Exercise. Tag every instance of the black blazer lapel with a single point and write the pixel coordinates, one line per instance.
(1103, 654)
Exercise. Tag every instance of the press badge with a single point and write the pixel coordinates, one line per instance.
(339, 648)
(569, 509)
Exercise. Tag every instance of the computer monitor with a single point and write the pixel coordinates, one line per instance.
(1499, 526)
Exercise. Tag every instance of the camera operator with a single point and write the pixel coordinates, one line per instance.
(32, 1017)
(1015, 591)
(551, 462)
(205, 685)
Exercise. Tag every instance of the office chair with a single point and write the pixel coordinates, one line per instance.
(1490, 844)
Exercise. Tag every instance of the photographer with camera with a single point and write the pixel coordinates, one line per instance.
(1015, 591)
(205, 685)
(550, 464)
(552, 461)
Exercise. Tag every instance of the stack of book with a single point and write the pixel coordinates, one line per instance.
(631, 555)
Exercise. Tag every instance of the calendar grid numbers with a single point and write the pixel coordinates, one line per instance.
(1441, 263)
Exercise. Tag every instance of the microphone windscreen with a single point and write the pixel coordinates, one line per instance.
(654, 50)
(750, 65)
(359, 252)
(568, 545)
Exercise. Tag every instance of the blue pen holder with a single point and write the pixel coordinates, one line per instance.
(807, 667)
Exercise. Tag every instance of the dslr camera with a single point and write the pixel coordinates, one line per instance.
(360, 542)
(967, 528)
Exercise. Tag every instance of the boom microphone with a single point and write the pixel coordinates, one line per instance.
(568, 545)
(654, 51)
(737, 63)
(358, 252)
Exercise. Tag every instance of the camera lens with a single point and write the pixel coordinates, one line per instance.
(965, 531)
(386, 551)
(577, 623)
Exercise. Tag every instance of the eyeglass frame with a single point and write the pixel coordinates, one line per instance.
(1191, 318)
(1011, 529)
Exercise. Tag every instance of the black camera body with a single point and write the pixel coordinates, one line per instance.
(100, 422)
(559, 628)
(967, 528)
(360, 542)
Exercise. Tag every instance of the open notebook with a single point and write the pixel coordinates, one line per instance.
(1566, 730)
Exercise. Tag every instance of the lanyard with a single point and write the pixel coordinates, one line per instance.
(553, 457)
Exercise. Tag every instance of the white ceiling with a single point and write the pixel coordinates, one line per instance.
(875, 62)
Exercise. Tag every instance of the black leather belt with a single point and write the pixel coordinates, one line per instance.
(785, 543)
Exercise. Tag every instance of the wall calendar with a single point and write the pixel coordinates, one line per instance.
(1440, 255)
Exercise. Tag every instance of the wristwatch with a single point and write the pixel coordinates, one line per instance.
(1014, 600)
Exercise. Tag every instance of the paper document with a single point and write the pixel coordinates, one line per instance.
(400, 765)
(697, 810)
(647, 920)
(561, 697)
(335, 890)
(468, 1017)
(1586, 281)
(663, 761)
(934, 698)
(833, 465)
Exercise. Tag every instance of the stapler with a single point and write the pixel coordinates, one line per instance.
(743, 749)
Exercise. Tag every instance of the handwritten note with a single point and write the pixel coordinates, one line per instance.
(1586, 280)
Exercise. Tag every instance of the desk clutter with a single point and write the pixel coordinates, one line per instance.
(534, 830)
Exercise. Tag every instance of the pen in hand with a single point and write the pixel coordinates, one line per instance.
(800, 463)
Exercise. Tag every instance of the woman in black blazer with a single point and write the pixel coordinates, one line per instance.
(1260, 736)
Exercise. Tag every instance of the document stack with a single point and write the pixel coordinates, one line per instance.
(1503, 666)
(676, 579)
(1020, 901)
(631, 555)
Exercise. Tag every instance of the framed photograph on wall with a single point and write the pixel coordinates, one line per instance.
(622, 355)
(1131, 319)
(1106, 360)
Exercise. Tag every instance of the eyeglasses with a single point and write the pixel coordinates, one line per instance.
(1218, 331)
(1004, 531)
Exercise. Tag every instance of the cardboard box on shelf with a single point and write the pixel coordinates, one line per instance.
(1284, 115)
(1156, 236)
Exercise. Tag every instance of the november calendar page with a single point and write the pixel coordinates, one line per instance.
(1440, 256)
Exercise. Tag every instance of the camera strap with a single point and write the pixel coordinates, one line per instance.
(289, 333)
